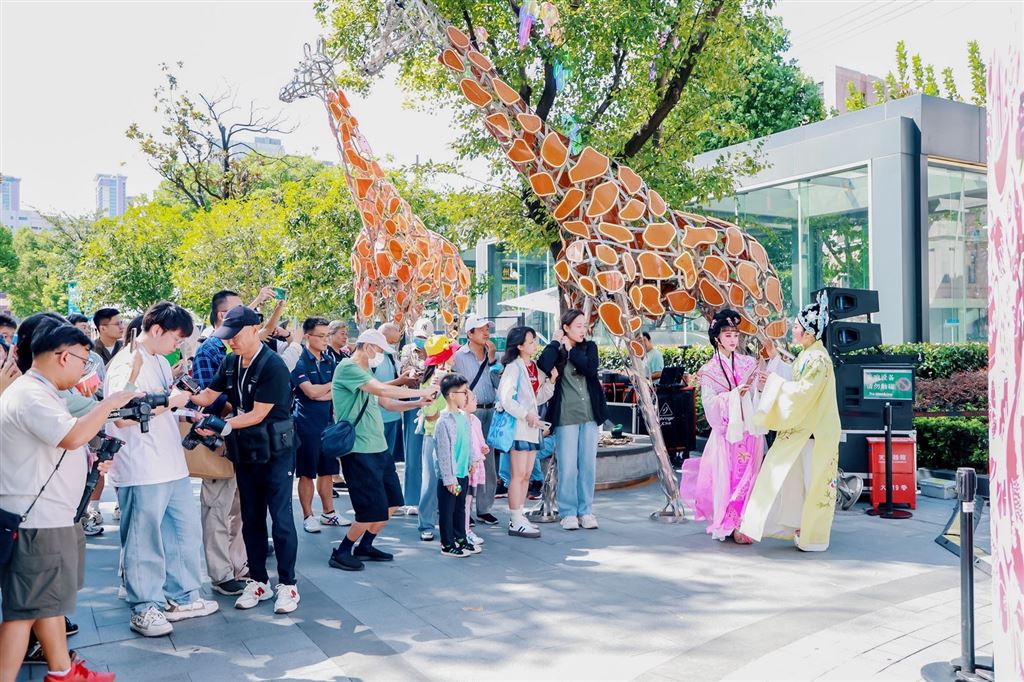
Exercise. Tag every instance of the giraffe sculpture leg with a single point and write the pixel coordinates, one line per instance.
(547, 512)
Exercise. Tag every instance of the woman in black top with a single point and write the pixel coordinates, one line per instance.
(576, 410)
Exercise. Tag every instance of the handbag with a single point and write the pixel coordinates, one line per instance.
(502, 432)
(339, 438)
(11, 522)
(202, 462)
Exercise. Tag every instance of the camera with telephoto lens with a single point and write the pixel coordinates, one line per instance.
(187, 384)
(105, 447)
(141, 409)
(209, 422)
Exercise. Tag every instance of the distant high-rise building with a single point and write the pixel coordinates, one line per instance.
(268, 146)
(110, 195)
(10, 191)
(834, 87)
(11, 214)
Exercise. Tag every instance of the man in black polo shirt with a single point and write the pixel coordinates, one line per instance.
(261, 445)
(311, 381)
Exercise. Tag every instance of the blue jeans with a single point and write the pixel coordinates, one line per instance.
(576, 453)
(161, 536)
(428, 489)
(504, 469)
(413, 445)
(391, 435)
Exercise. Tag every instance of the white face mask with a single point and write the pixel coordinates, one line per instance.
(376, 360)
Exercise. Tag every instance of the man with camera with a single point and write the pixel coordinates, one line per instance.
(260, 442)
(160, 530)
(44, 464)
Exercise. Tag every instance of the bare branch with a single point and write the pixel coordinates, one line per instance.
(618, 62)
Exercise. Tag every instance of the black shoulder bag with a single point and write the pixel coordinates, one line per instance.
(10, 522)
(251, 445)
(339, 438)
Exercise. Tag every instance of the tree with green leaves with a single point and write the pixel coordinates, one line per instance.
(913, 76)
(40, 280)
(643, 83)
(8, 259)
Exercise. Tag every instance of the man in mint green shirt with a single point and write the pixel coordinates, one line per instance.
(373, 485)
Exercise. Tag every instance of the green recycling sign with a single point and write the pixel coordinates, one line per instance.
(888, 384)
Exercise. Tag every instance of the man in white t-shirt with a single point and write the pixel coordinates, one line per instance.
(160, 529)
(44, 465)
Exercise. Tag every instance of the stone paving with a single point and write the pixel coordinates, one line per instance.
(633, 600)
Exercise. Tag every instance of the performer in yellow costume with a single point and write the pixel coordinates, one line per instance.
(794, 496)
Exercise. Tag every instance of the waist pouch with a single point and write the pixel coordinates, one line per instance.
(258, 444)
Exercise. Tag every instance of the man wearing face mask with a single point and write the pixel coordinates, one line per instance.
(374, 489)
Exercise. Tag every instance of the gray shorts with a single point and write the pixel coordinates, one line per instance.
(44, 575)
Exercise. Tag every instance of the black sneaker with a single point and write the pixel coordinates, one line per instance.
(489, 519)
(345, 562)
(501, 490)
(453, 551)
(35, 656)
(229, 588)
(468, 547)
(535, 490)
(340, 485)
(372, 554)
(69, 627)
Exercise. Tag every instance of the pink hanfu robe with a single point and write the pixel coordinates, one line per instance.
(718, 484)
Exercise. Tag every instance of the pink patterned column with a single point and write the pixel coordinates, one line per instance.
(1006, 356)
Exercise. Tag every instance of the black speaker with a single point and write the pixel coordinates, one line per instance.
(845, 337)
(844, 303)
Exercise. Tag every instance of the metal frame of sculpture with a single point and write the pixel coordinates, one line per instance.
(625, 254)
(398, 265)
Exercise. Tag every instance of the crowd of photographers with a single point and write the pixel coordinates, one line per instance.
(86, 399)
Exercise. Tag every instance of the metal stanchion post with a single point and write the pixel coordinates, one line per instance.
(968, 668)
(886, 511)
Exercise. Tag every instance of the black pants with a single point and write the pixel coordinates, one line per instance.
(262, 488)
(451, 511)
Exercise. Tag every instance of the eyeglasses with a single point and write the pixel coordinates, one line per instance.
(119, 323)
(318, 336)
(85, 360)
(457, 392)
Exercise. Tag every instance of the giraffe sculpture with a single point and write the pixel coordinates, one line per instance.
(625, 254)
(398, 265)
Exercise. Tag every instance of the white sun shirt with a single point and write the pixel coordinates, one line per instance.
(145, 458)
(33, 421)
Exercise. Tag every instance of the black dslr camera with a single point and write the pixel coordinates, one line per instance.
(141, 409)
(105, 448)
(209, 422)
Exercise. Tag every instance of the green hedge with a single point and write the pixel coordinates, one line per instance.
(951, 442)
(939, 360)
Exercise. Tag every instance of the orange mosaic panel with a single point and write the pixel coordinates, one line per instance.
(570, 202)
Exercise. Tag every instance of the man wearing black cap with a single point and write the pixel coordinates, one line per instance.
(261, 445)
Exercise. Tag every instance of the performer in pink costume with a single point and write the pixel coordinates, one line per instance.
(718, 484)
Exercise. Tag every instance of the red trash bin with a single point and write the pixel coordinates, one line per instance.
(904, 470)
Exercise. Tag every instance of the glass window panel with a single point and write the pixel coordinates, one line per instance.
(957, 254)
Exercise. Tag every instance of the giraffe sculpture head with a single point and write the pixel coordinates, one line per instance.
(313, 77)
(401, 26)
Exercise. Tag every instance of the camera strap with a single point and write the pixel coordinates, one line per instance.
(249, 377)
(39, 494)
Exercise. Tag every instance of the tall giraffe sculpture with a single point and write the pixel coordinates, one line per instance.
(398, 265)
(625, 254)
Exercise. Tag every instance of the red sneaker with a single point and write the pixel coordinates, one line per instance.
(79, 673)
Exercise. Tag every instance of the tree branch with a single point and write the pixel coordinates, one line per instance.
(676, 84)
(618, 63)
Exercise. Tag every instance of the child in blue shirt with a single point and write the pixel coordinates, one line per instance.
(453, 455)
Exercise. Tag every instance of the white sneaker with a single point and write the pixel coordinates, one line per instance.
(570, 523)
(519, 529)
(588, 521)
(412, 511)
(96, 515)
(287, 599)
(253, 594)
(334, 520)
(90, 528)
(151, 623)
(200, 607)
(117, 513)
(474, 538)
(311, 524)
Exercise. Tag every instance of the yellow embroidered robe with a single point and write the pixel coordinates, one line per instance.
(798, 410)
